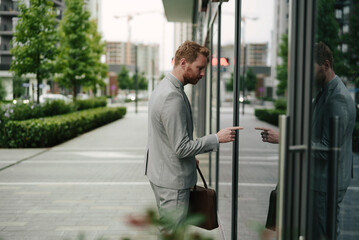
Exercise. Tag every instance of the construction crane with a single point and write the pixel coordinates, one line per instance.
(129, 18)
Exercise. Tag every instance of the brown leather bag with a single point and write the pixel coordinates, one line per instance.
(203, 201)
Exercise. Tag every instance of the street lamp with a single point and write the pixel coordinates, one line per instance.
(244, 18)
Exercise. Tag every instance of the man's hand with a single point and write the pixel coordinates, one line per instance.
(269, 135)
(227, 134)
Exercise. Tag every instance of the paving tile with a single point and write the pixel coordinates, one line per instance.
(91, 184)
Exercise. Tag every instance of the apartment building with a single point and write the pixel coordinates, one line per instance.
(8, 18)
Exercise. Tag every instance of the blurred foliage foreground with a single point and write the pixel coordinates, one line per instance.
(152, 223)
(49, 124)
(170, 231)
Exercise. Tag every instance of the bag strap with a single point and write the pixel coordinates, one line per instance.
(200, 173)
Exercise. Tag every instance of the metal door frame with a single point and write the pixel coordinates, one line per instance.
(293, 220)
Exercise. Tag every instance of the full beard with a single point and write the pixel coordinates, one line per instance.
(320, 81)
(189, 78)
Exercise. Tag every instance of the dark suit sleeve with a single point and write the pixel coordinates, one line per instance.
(336, 106)
(174, 117)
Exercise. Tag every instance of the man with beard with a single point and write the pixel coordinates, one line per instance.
(171, 151)
(333, 99)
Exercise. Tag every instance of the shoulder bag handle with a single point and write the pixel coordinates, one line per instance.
(200, 173)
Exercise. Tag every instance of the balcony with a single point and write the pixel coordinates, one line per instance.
(9, 10)
(6, 30)
(5, 50)
(58, 3)
(4, 67)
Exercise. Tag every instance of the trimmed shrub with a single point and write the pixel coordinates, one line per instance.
(269, 115)
(50, 131)
(90, 103)
(3, 121)
(280, 104)
(57, 107)
(5, 102)
(268, 99)
(24, 111)
(19, 112)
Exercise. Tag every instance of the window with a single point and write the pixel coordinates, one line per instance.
(338, 14)
(346, 10)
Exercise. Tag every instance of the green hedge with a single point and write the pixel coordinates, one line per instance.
(269, 115)
(19, 112)
(90, 103)
(280, 104)
(50, 131)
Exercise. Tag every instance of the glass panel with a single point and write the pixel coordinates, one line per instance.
(258, 161)
(214, 74)
(226, 117)
(334, 85)
(212, 90)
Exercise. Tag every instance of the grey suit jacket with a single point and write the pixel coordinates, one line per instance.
(170, 157)
(334, 100)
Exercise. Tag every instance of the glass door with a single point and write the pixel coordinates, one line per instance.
(318, 181)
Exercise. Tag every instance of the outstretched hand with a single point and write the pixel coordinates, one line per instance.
(227, 134)
(269, 135)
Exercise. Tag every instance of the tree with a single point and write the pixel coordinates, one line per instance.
(142, 82)
(75, 60)
(35, 41)
(99, 70)
(17, 88)
(327, 31)
(352, 39)
(229, 84)
(124, 80)
(251, 80)
(282, 69)
(2, 90)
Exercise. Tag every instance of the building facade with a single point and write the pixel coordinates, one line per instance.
(147, 60)
(8, 17)
(256, 54)
(280, 27)
(94, 7)
(147, 57)
(281, 20)
(342, 15)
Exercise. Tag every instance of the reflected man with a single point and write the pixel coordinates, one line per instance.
(333, 99)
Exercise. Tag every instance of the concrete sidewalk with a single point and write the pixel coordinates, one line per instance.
(92, 183)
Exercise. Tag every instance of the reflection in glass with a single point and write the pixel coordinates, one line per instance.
(333, 75)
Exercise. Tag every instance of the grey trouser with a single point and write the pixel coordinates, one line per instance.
(320, 213)
(171, 203)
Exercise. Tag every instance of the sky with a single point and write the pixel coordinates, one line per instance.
(149, 24)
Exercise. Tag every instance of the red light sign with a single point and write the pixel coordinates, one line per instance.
(224, 62)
